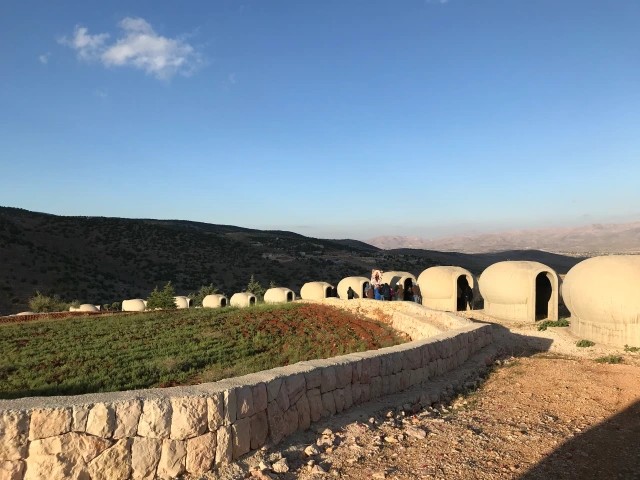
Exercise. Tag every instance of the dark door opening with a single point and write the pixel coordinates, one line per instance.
(252, 300)
(328, 293)
(464, 294)
(365, 286)
(289, 296)
(543, 295)
(223, 302)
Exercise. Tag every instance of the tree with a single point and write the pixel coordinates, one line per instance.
(163, 299)
(255, 287)
(40, 303)
(198, 297)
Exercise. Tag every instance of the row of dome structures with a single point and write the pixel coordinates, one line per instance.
(600, 292)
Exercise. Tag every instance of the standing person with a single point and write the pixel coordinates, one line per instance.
(417, 294)
(351, 293)
(399, 292)
(369, 293)
(386, 292)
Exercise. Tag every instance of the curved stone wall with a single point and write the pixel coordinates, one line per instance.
(163, 433)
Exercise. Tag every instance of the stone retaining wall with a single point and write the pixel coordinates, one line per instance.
(162, 433)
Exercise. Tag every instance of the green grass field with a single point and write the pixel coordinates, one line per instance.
(157, 349)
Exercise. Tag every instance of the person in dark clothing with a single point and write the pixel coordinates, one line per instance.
(351, 293)
(468, 297)
(417, 295)
(399, 292)
(386, 292)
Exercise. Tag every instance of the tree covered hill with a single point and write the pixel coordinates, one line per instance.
(103, 260)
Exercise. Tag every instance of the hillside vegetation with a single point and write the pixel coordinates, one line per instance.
(104, 260)
(165, 348)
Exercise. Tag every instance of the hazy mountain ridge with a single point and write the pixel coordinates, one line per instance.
(588, 239)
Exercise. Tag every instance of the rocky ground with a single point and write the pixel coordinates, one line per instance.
(543, 409)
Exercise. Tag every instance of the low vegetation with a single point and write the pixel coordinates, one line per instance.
(154, 349)
(610, 359)
(563, 322)
(162, 299)
(40, 303)
(584, 343)
(629, 349)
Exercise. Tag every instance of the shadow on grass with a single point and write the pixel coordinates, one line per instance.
(608, 450)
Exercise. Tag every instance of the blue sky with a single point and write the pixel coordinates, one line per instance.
(333, 118)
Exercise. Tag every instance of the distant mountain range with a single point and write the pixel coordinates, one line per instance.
(589, 240)
(102, 260)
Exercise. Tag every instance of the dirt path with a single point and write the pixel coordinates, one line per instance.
(551, 415)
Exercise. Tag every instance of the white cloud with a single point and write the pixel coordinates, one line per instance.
(138, 46)
(44, 58)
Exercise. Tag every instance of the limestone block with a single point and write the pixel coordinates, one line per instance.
(376, 387)
(48, 422)
(114, 462)
(426, 355)
(433, 352)
(14, 432)
(259, 427)
(145, 455)
(304, 413)
(241, 437)
(314, 399)
(80, 416)
(127, 418)
(348, 396)
(224, 445)
(374, 367)
(275, 418)
(230, 406)
(328, 379)
(296, 387)
(365, 370)
(416, 376)
(356, 392)
(244, 398)
(155, 421)
(356, 371)
(411, 359)
(72, 446)
(344, 374)
(48, 467)
(328, 404)
(385, 386)
(12, 470)
(405, 379)
(313, 378)
(386, 365)
(201, 453)
(338, 397)
(101, 420)
(259, 397)
(189, 417)
(273, 388)
(396, 361)
(283, 398)
(365, 394)
(290, 421)
(215, 411)
(172, 459)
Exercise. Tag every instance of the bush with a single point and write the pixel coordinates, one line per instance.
(610, 359)
(163, 299)
(198, 297)
(40, 303)
(256, 288)
(584, 343)
(627, 348)
(563, 322)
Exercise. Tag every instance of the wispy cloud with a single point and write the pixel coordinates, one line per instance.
(44, 58)
(138, 46)
(232, 79)
(440, 2)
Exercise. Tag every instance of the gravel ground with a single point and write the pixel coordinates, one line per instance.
(543, 409)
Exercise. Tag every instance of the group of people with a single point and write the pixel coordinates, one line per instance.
(376, 290)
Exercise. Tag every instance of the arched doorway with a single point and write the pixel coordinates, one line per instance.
(464, 294)
(543, 295)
